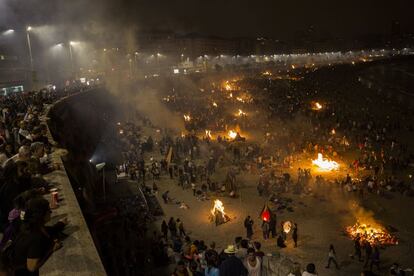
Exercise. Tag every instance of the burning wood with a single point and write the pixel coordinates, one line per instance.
(374, 234)
(217, 213)
(325, 164)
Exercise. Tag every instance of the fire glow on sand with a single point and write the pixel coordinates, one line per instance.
(217, 213)
(325, 164)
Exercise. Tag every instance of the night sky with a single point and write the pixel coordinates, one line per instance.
(229, 18)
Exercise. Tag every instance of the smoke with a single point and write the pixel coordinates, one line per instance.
(147, 101)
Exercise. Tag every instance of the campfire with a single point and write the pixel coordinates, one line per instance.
(325, 164)
(287, 226)
(316, 106)
(241, 113)
(374, 234)
(208, 133)
(187, 118)
(232, 134)
(218, 216)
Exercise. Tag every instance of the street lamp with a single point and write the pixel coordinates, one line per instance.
(8, 32)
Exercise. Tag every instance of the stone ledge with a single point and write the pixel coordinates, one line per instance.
(78, 256)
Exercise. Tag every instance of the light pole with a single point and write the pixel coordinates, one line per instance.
(29, 45)
(71, 43)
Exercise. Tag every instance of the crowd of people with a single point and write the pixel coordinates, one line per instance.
(26, 243)
(281, 130)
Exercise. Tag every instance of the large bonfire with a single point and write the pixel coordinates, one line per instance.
(372, 233)
(324, 164)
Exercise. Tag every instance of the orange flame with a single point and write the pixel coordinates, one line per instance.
(218, 206)
(374, 234)
(232, 134)
(325, 164)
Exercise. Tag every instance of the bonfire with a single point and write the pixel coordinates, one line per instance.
(208, 133)
(232, 134)
(325, 164)
(218, 216)
(287, 226)
(372, 233)
(316, 106)
(241, 113)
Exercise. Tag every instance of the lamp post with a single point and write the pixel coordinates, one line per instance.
(71, 43)
(29, 46)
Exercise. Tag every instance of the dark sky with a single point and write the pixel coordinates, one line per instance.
(273, 18)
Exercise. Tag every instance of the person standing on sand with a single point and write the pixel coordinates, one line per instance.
(295, 235)
(248, 224)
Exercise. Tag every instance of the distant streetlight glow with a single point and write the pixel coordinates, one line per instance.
(8, 32)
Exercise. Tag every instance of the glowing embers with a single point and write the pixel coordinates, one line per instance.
(371, 232)
(324, 164)
(218, 216)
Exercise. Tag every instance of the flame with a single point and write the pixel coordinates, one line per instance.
(287, 226)
(266, 73)
(208, 133)
(187, 118)
(215, 104)
(231, 95)
(316, 106)
(240, 99)
(333, 132)
(325, 164)
(218, 206)
(232, 134)
(228, 86)
(374, 234)
(241, 113)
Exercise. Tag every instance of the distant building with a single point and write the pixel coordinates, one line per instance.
(13, 74)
